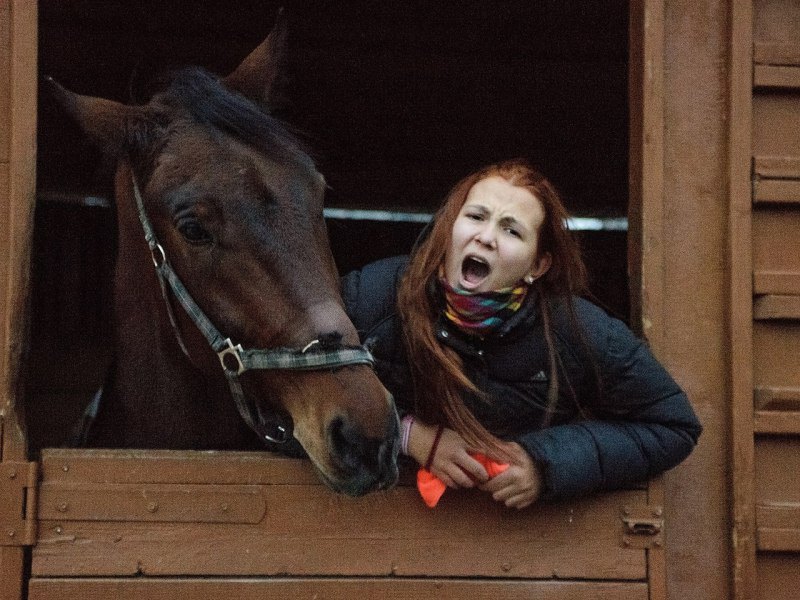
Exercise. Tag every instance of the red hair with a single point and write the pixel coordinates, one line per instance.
(438, 371)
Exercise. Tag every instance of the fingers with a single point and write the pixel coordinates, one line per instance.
(516, 487)
(520, 501)
(459, 468)
(453, 464)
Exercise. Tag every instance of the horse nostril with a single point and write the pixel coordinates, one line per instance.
(349, 444)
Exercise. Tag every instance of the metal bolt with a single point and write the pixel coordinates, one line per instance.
(658, 512)
(626, 510)
(657, 543)
(12, 474)
(224, 507)
(65, 468)
(152, 507)
(11, 533)
(626, 543)
(63, 507)
(505, 567)
(59, 530)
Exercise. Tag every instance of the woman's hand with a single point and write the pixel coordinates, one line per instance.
(520, 485)
(452, 462)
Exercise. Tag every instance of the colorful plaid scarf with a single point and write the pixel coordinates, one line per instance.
(481, 313)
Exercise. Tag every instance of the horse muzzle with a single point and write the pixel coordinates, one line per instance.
(362, 464)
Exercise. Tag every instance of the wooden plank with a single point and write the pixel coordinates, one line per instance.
(778, 576)
(777, 422)
(776, 282)
(777, 462)
(776, 53)
(779, 77)
(17, 184)
(170, 503)
(778, 191)
(776, 120)
(777, 167)
(776, 361)
(174, 466)
(17, 210)
(777, 398)
(776, 243)
(776, 306)
(656, 556)
(330, 589)
(12, 564)
(778, 527)
(646, 170)
(309, 530)
(5, 81)
(740, 293)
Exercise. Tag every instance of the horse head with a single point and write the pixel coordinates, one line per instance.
(234, 208)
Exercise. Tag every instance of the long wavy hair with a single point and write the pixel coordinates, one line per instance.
(440, 382)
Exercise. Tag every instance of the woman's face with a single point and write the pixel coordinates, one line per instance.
(495, 238)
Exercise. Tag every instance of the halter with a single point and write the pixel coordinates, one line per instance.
(321, 353)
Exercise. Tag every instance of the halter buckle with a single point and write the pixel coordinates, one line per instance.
(234, 352)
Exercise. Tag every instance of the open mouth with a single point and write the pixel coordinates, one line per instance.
(474, 271)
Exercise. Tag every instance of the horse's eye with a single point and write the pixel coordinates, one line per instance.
(194, 233)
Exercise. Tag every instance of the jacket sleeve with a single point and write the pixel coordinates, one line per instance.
(641, 425)
(370, 293)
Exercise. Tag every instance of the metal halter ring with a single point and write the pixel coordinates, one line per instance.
(235, 352)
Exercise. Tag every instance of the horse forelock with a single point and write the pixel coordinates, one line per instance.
(196, 94)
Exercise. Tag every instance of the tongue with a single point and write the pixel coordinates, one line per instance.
(474, 271)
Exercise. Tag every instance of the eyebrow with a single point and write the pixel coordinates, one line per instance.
(508, 220)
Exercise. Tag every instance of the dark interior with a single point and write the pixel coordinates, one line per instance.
(398, 99)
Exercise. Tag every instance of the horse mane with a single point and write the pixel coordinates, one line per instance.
(208, 102)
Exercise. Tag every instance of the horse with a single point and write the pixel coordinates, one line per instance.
(230, 330)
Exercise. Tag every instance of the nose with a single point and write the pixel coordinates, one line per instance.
(486, 236)
(369, 463)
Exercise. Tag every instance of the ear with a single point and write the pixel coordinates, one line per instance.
(107, 123)
(258, 77)
(540, 266)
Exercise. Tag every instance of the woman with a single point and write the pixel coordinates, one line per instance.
(488, 348)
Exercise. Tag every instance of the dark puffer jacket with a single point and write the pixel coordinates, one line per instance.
(639, 421)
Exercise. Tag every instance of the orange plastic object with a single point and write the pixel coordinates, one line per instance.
(431, 487)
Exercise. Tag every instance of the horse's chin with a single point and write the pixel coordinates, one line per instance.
(357, 484)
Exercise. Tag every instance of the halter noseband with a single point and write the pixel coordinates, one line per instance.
(316, 355)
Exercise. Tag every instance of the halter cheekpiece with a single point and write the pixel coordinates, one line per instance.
(322, 353)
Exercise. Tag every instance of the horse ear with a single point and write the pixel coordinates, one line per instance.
(108, 124)
(259, 76)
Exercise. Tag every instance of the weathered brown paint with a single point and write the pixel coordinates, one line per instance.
(17, 192)
(385, 534)
(693, 111)
(332, 589)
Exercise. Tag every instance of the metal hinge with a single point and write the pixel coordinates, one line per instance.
(643, 526)
(18, 486)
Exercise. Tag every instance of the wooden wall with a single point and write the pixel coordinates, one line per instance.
(695, 284)
(767, 404)
(679, 229)
(17, 194)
